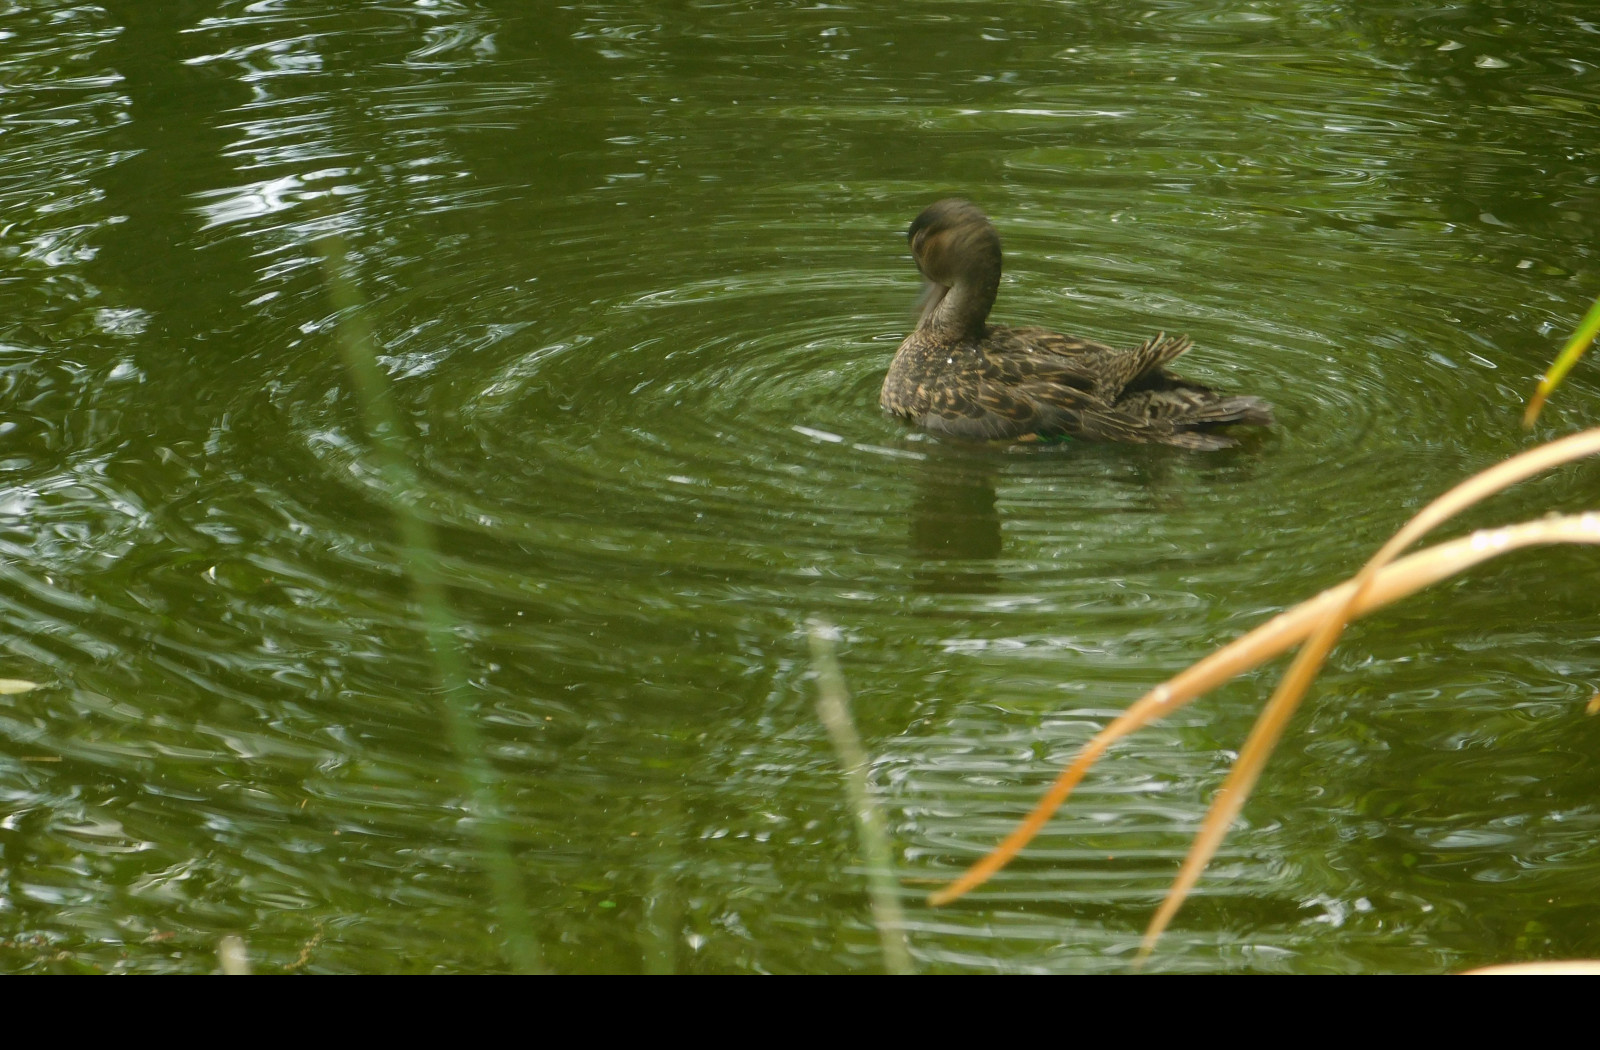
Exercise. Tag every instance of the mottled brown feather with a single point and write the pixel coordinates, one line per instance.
(960, 376)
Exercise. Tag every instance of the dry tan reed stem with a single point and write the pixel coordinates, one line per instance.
(1396, 581)
(1285, 700)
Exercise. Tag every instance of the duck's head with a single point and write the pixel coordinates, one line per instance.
(956, 248)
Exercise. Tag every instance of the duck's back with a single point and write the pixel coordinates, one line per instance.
(957, 374)
(1018, 382)
(973, 389)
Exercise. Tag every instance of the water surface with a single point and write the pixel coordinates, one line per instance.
(633, 273)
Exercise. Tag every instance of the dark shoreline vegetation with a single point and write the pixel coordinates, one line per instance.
(440, 474)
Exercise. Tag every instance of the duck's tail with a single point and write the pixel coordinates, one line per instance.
(1161, 350)
(1196, 426)
(1117, 371)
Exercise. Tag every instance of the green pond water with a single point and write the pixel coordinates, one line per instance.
(633, 273)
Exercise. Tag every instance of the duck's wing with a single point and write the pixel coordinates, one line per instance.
(1144, 366)
(1106, 371)
(1008, 338)
(1009, 396)
(986, 410)
(1027, 381)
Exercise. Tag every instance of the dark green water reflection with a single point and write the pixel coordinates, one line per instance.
(635, 272)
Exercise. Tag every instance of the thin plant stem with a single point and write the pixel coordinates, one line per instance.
(1286, 698)
(1398, 580)
(833, 709)
(1588, 329)
(418, 554)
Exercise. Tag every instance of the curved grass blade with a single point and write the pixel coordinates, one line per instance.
(1274, 717)
(1398, 580)
(1588, 329)
(1385, 584)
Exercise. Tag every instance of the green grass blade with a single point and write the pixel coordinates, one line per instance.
(1588, 329)
(419, 557)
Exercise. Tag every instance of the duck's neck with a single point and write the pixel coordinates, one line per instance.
(961, 311)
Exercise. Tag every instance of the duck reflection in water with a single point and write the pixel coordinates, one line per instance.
(954, 523)
(958, 375)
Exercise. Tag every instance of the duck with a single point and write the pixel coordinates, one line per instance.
(959, 376)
